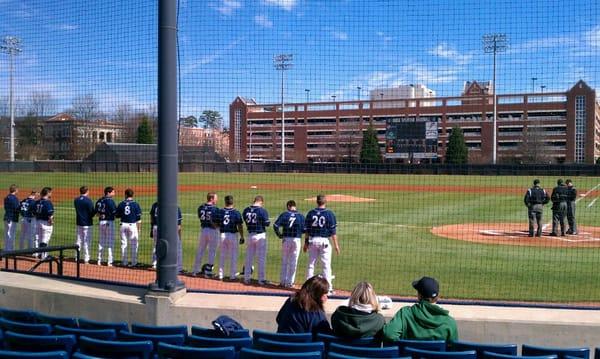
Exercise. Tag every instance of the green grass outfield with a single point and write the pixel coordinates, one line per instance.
(387, 242)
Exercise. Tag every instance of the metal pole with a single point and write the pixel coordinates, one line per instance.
(307, 92)
(494, 43)
(358, 88)
(533, 84)
(167, 241)
(494, 121)
(12, 108)
(282, 119)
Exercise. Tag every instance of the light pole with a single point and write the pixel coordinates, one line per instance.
(333, 97)
(307, 93)
(533, 84)
(11, 47)
(494, 43)
(358, 88)
(542, 87)
(282, 63)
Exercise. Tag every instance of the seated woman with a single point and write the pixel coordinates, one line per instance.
(304, 312)
(361, 318)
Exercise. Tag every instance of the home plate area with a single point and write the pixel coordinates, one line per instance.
(516, 234)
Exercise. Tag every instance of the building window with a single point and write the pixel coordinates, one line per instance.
(237, 125)
(580, 116)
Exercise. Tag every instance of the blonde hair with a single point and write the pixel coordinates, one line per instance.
(363, 293)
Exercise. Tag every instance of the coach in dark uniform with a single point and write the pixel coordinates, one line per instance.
(571, 199)
(559, 197)
(535, 199)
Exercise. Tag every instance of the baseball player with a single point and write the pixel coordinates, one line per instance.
(559, 197)
(320, 225)
(154, 235)
(11, 217)
(289, 226)
(131, 220)
(84, 212)
(209, 235)
(106, 209)
(535, 199)
(44, 218)
(28, 238)
(256, 219)
(571, 203)
(230, 224)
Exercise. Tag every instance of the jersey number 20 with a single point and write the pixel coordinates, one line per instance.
(318, 221)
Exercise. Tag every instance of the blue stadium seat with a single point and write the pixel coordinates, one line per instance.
(111, 349)
(175, 339)
(344, 356)
(506, 349)
(1, 339)
(64, 321)
(25, 316)
(25, 328)
(430, 354)
(39, 343)
(327, 338)
(247, 353)
(181, 352)
(92, 324)
(431, 345)
(213, 333)
(104, 334)
(7, 354)
(597, 353)
(287, 347)
(282, 337)
(531, 350)
(159, 330)
(490, 355)
(79, 355)
(208, 342)
(366, 352)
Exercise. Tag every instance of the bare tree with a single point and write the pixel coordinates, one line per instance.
(85, 107)
(124, 113)
(534, 148)
(40, 103)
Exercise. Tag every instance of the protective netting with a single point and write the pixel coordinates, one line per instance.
(83, 79)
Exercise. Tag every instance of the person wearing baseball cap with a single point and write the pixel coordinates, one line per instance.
(424, 320)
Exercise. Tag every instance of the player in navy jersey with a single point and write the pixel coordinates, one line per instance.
(154, 235)
(256, 219)
(320, 225)
(209, 235)
(130, 213)
(44, 218)
(28, 238)
(289, 226)
(230, 224)
(106, 210)
(84, 212)
(11, 217)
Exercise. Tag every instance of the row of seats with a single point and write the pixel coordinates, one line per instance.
(25, 332)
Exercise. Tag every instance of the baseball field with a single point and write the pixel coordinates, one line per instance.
(467, 231)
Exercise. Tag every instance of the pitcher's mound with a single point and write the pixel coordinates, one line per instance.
(516, 234)
(343, 198)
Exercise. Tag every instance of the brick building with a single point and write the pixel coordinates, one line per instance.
(531, 127)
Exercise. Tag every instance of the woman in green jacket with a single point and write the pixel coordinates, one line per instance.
(361, 317)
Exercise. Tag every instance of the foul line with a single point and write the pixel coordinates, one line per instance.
(592, 203)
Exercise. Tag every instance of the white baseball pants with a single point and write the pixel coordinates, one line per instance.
(319, 248)
(129, 238)
(27, 238)
(290, 250)
(229, 251)
(10, 232)
(84, 238)
(106, 241)
(209, 237)
(44, 232)
(256, 246)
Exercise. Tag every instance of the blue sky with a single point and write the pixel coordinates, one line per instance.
(108, 48)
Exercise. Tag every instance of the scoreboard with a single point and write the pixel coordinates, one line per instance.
(411, 138)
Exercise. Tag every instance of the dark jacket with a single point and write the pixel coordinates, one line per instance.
(560, 194)
(422, 321)
(293, 319)
(351, 323)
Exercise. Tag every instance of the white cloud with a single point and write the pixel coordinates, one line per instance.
(64, 27)
(263, 20)
(192, 65)
(367, 82)
(286, 5)
(445, 51)
(226, 7)
(593, 36)
(339, 35)
(386, 38)
(420, 73)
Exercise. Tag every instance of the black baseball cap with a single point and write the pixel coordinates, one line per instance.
(428, 287)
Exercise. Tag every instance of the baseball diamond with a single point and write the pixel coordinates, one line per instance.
(461, 229)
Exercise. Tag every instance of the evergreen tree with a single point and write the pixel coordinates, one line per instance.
(457, 152)
(144, 132)
(369, 152)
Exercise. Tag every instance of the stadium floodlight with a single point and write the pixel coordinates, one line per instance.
(358, 88)
(307, 93)
(11, 46)
(283, 62)
(533, 79)
(494, 43)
